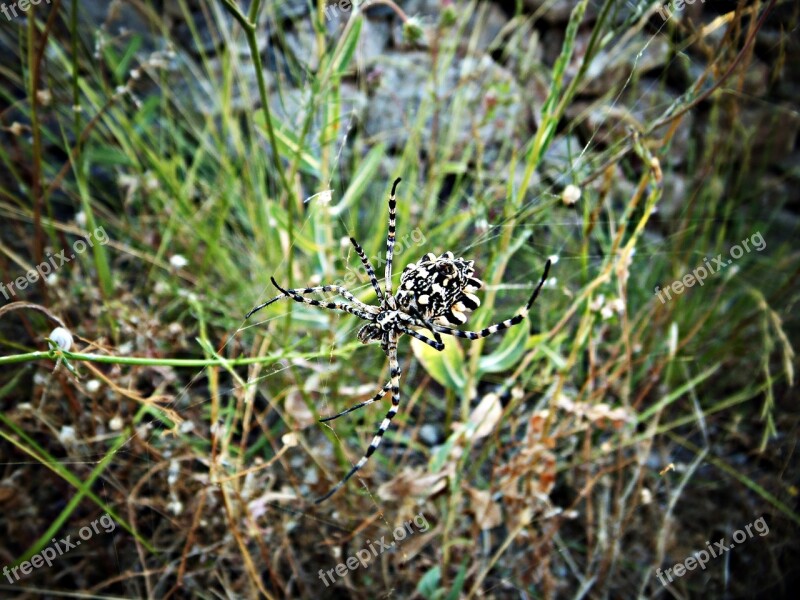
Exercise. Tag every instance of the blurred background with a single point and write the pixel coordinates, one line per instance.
(633, 438)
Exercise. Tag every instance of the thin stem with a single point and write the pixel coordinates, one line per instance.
(166, 362)
(249, 26)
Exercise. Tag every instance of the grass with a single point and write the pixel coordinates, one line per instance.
(607, 438)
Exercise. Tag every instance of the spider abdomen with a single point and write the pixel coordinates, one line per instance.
(439, 289)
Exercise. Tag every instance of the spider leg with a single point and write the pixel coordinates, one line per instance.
(368, 266)
(381, 393)
(429, 326)
(394, 371)
(320, 288)
(390, 238)
(487, 331)
(295, 295)
(260, 306)
(436, 345)
(415, 320)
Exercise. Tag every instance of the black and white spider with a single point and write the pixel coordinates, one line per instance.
(435, 294)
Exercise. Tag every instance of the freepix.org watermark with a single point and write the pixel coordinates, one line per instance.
(699, 274)
(59, 548)
(701, 557)
(10, 10)
(52, 264)
(338, 8)
(376, 548)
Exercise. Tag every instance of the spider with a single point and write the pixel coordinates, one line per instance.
(435, 294)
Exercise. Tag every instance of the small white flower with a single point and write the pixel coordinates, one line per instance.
(151, 183)
(67, 435)
(92, 386)
(571, 194)
(175, 507)
(177, 261)
(323, 197)
(597, 303)
(62, 337)
(44, 97)
(289, 439)
(617, 305)
(115, 424)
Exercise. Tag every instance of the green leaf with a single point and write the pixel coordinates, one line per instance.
(507, 354)
(289, 144)
(348, 48)
(440, 454)
(446, 367)
(458, 583)
(429, 583)
(359, 182)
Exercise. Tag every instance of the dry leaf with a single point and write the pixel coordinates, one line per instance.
(487, 512)
(297, 409)
(483, 419)
(412, 482)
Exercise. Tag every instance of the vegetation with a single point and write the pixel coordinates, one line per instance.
(611, 435)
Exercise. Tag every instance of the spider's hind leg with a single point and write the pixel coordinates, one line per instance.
(381, 393)
(394, 382)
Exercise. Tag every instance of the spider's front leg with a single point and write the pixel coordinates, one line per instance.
(362, 311)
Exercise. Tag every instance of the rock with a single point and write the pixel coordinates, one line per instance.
(640, 55)
(300, 41)
(488, 21)
(552, 11)
(476, 91)
(287, 9)
(429, 434)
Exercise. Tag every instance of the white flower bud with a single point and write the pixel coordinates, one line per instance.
(62, 337)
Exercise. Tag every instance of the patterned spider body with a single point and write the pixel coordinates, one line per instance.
(439, 290)
(435, 295)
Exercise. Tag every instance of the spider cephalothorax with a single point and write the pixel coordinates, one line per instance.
(435, 294)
